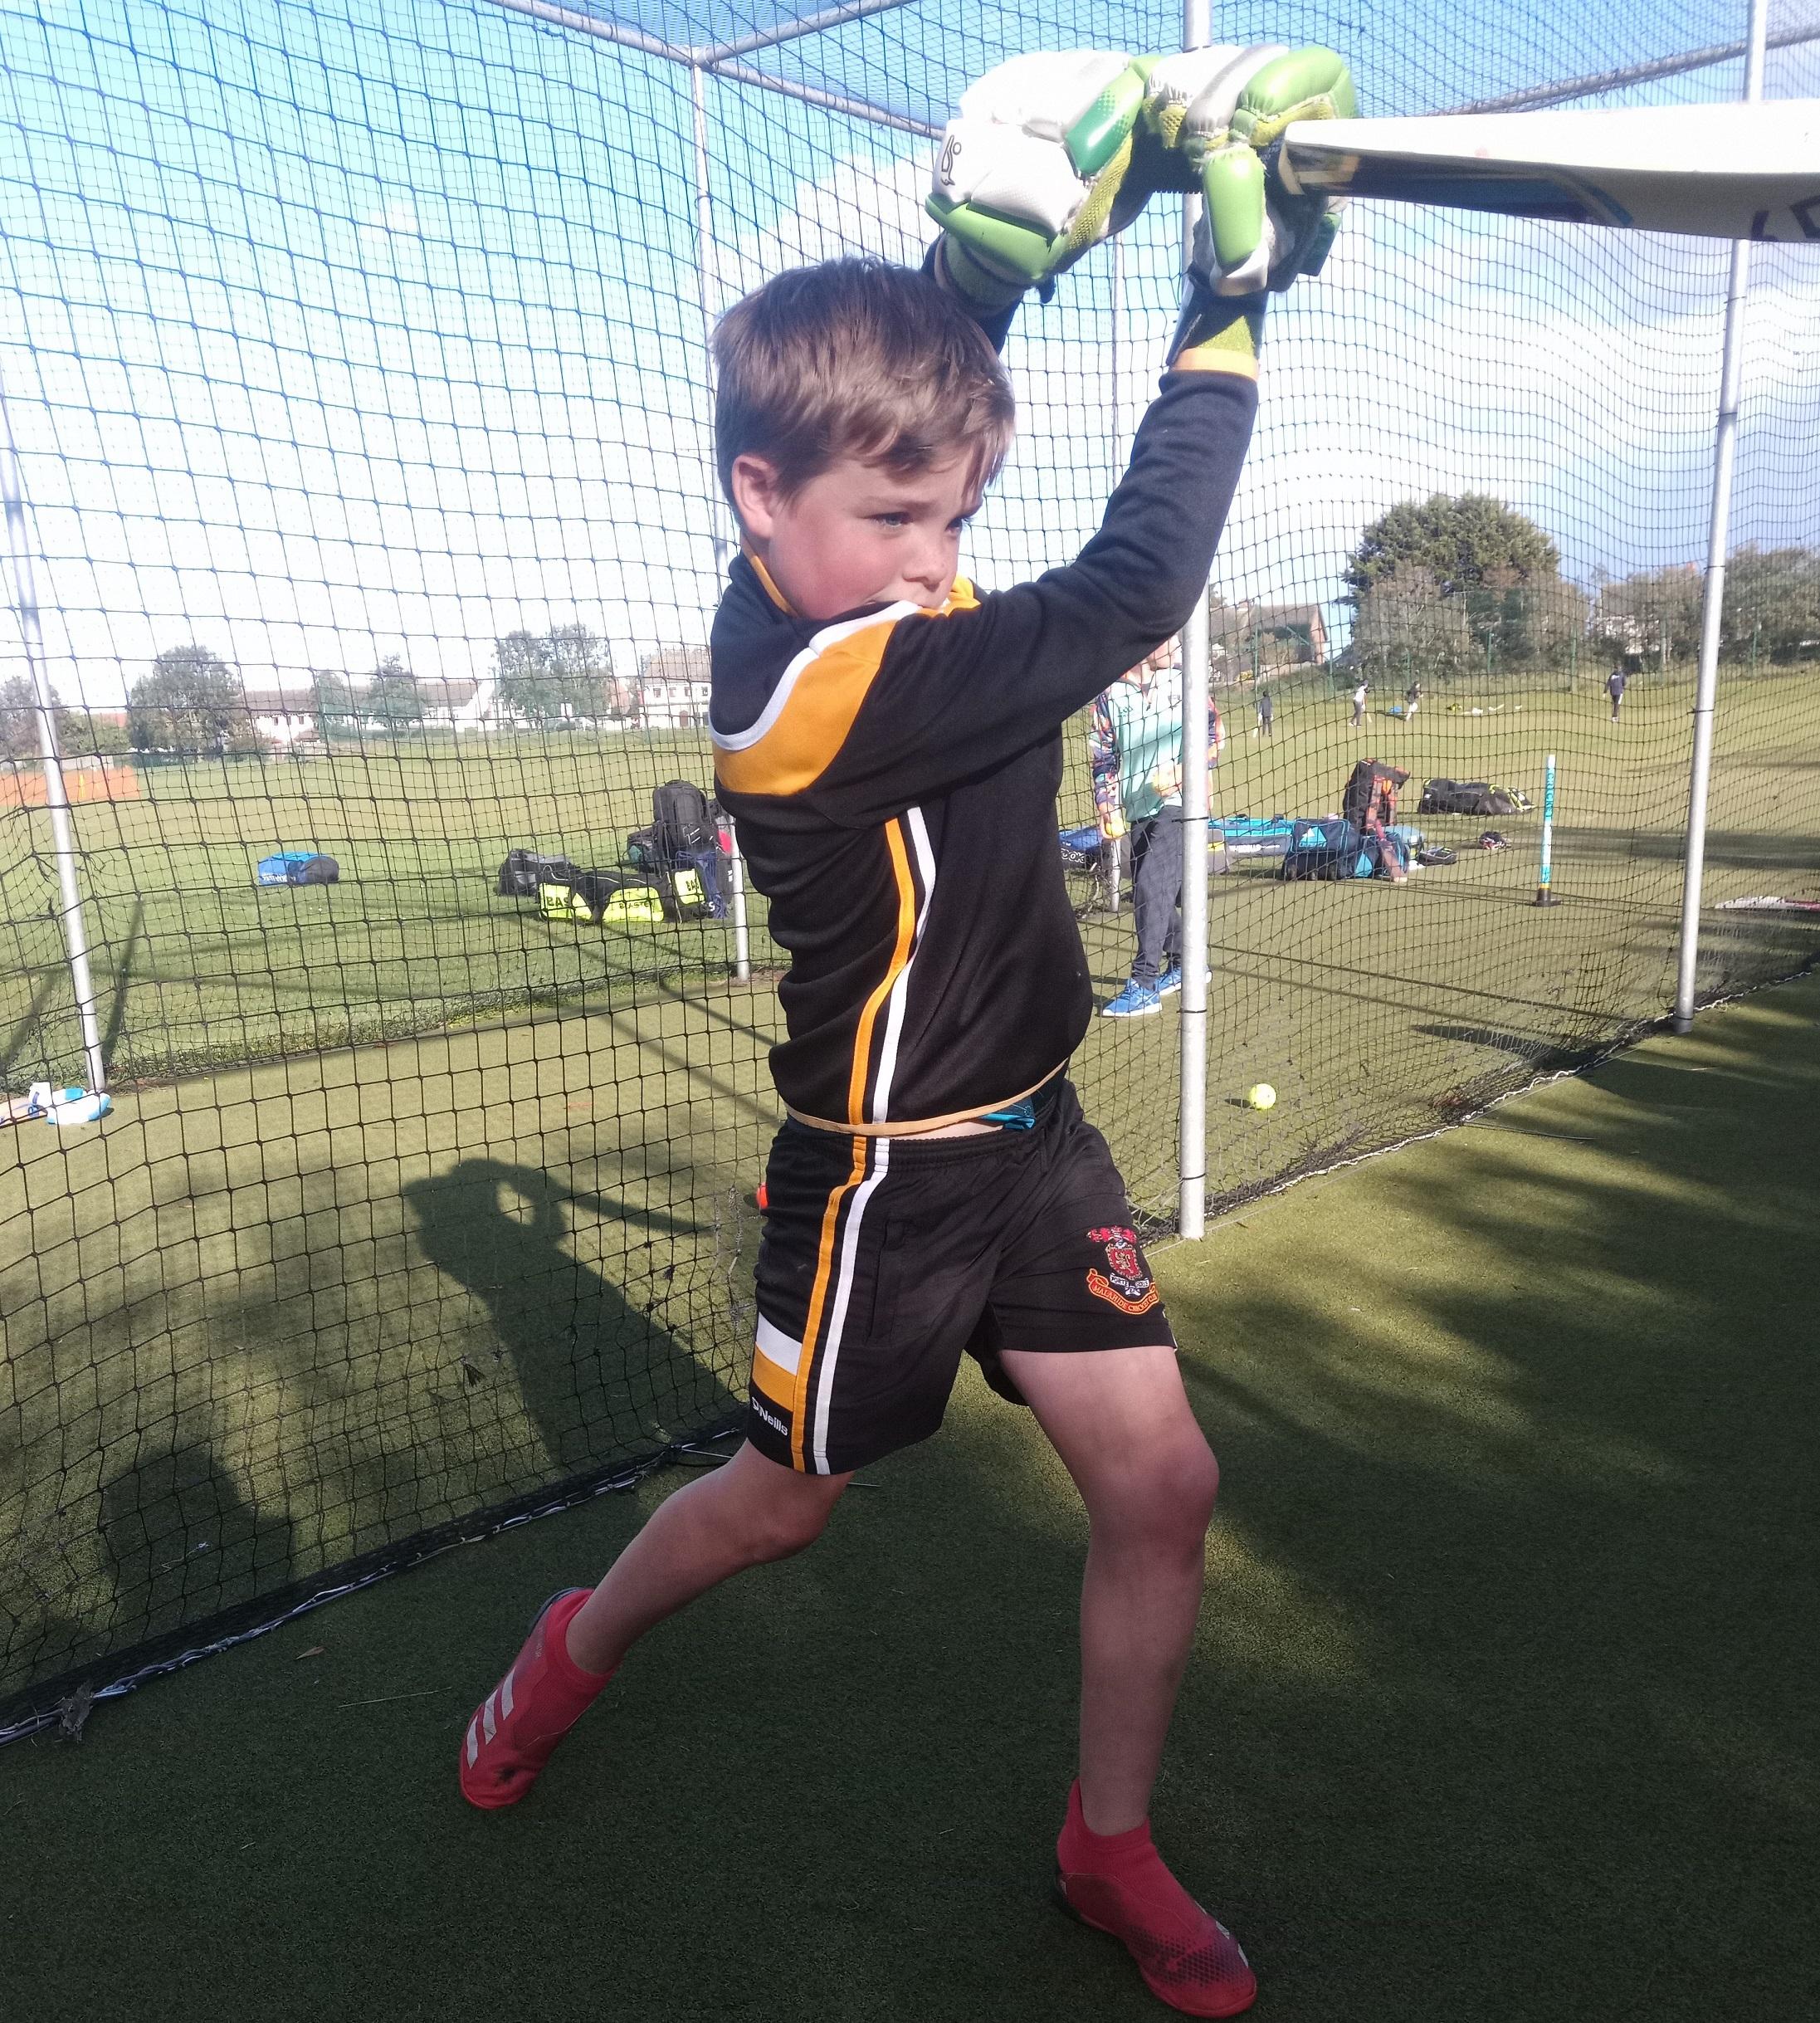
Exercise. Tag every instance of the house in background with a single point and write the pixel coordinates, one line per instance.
(673, 689)
(283, 716)
(1244, 639)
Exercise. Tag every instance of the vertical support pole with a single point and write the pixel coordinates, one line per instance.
(1544, 876)
(1111, 848)
(56, 798)
(1191, 1211)
(1712, 608)
(1118, 388)
(706, 290)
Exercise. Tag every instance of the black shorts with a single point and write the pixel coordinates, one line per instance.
(884, 1259)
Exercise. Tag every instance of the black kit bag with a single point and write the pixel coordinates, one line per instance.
(681, 816)
(523, 870)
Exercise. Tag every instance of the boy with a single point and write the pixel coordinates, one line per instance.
(1359, 694)
(1615, 685)
(1135, 749)
(889, 742)
(1266, 712)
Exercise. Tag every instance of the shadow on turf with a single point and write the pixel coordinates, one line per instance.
(1499, 1709)
(594, 1366)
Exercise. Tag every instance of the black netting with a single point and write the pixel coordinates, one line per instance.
(355, 360)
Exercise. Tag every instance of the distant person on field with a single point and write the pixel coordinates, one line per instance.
(1266, 711)
(1359, 694)
(1135, 747)
(1412, 701)
(889, 739)
(1615, 684)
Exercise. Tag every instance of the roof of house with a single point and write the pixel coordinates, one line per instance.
(675, 663)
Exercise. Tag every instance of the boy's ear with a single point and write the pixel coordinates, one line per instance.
(755, 497)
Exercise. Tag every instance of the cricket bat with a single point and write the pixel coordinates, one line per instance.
(1730, 171)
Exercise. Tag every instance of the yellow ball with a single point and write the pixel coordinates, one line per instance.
(1260, 1095)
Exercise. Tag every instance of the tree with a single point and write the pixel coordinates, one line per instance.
(1772, 608)
(83, 734)
(1651, 609)
(1771, 603)
(1406, 624)
(561, 676)
(332, 704)
(1482, 559)
(393, 701)
(191, 700)
(19, 718)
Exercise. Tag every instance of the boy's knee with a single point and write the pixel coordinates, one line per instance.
(786, 1523)
(1197, 1484)
(1169, 1504)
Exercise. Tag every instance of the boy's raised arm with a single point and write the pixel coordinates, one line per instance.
(941, 696)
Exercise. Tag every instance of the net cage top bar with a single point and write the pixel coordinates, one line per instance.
(722, 58)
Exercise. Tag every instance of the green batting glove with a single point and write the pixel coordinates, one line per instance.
(1035, 168)
(1212, 113)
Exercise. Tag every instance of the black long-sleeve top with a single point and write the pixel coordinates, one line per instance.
(893, 772)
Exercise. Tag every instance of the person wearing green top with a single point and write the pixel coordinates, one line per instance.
(1135, 744)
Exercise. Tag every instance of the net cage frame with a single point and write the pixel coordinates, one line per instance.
(190, 1620)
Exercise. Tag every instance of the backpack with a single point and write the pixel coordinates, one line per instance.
(679, 812)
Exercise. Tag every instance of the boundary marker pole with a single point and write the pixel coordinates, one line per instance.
(1544, 876)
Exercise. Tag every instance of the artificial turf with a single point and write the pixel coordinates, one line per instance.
(1503, 1705)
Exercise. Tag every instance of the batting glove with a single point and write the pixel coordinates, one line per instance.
(1217, 112)
(1035, 168)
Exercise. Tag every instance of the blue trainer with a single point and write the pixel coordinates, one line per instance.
(1135, 1001)
(1170, 981)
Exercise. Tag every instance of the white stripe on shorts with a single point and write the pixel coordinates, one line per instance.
(783, 1349)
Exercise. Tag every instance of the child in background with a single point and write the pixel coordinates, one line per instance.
(1134, 747)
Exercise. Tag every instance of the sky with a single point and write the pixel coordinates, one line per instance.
(339, 330)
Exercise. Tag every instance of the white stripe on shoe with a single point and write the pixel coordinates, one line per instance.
(487, 1718)
(505, 1696)
(474, 1742)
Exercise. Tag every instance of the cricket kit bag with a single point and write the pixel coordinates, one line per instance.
(681, 853)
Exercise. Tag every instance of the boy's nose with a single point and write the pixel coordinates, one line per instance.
(929, 569)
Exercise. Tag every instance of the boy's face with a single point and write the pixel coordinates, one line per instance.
(857, 533)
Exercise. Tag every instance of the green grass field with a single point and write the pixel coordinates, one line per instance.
(1503, 1707)
(282, 1312)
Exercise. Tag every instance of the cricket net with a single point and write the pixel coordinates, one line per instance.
(363, 510)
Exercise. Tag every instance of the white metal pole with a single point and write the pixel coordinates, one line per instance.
(1191, 1216)
(707, 290)
(1718, 540)
(56, 798)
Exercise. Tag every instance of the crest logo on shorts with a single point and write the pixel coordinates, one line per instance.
(1125, 1284)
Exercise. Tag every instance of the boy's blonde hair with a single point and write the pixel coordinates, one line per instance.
(855, 358)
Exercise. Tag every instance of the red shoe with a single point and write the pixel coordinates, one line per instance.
(517, 1726)
(1117, 1883)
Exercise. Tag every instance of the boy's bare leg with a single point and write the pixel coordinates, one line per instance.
(1121, 1422)
(749, 1510)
